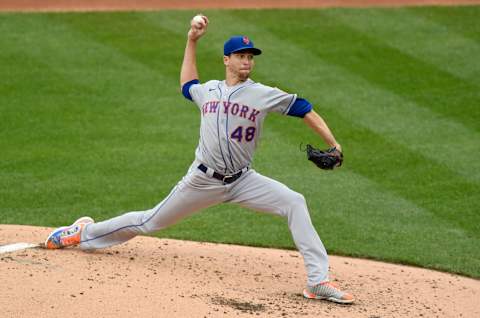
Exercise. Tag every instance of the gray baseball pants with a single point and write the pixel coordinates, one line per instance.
(198, 191)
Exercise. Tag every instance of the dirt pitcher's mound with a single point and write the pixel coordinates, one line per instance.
(149, 277)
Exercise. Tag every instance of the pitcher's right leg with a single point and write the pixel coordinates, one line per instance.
(190, 195)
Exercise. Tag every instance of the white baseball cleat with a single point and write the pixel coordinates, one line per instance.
(328, 291)
(67, 235)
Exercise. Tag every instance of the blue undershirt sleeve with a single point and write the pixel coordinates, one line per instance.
(186, 88)
(300, 108)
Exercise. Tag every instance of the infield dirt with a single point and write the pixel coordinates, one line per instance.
(150, 277)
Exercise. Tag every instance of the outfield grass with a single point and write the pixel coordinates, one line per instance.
(92, 122)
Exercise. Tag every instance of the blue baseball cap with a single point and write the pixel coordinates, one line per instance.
(239, 43)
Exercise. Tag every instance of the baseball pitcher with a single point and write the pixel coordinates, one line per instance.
(232, 112)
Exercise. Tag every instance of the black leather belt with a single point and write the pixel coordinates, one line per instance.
(221, 177)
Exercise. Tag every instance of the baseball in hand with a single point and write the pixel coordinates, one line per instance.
(198, 22)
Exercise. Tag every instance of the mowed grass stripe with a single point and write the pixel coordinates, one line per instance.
(105, 132)
(363, 103)
(464, 20)
(385, 67)
(80, 94)
(382, 219)
(131, 36)
(86, 53)
(121, 89)
(403, 172)
(455, 53)
(160, 51)
(155, 93)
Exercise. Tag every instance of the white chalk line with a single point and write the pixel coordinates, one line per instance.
(16, 247)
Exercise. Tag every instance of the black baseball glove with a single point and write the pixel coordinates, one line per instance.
(325, 159)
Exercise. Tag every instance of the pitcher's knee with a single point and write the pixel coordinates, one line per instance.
(294, 201)
(297, 211)
(297, 199)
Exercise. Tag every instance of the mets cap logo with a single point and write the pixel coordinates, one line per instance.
(246, 40)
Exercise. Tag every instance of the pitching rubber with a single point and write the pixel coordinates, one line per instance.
(17, 247)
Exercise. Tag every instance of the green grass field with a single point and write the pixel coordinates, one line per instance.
(92, 122)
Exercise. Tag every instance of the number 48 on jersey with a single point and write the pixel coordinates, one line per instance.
(239, 134)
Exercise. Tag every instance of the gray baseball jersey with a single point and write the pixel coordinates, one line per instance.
(231, 124)
(232, 119)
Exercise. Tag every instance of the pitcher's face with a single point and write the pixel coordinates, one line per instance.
(239, 64)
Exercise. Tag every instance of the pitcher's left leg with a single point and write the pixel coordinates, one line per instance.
(265, 194)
